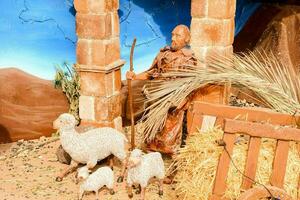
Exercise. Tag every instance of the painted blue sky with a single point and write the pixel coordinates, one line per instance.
(151, 23)
(36, 35)
(32, 35)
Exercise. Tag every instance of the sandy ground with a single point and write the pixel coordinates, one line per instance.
(28, 170)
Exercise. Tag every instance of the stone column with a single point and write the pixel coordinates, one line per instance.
(212, 31)
(98, 62)
(212, 27)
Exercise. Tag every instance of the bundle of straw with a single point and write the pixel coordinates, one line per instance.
(234, 178)
(197, 162)
(196, 165)
(276, 84)
(264, 166)
(265, 161)
(291, 179)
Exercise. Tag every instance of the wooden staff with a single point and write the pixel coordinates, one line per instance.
(130, 97)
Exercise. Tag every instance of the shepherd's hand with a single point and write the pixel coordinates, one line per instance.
(130, 75)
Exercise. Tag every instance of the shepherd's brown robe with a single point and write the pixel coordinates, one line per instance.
(168, 139)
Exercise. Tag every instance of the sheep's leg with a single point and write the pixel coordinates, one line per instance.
(110, 186)
(129, 191)
(111, 191)
(160, 192)
(123, 173)
(97, 194)
(68, 170)
(143, 190)
(138, 191)
(81, 192)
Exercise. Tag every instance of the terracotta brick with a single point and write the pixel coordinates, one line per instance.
(107, 108)
(98, 51)
(113, 50)
(96, 84)
(202, 53)
(116, 5)
(103, 6)
(115, 24)
(86, 107)
(90, 26)
(221, 9)
(105, 52)
(108, 81)
(83, 52)
(81, 6)
(109, 5)
(212, 32)
(118, 80)
(199, 8)
(112, 5)
(97, 6)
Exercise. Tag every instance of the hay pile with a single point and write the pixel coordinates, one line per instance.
(265, 161)
(197, 164)
(292, 171)
(235, 178)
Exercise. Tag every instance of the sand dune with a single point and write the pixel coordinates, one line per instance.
(28, 105)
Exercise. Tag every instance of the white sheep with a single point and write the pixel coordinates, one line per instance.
(88, 147)
(103, 176)
(143, 167)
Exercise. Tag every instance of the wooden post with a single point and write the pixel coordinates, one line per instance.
(130, 97)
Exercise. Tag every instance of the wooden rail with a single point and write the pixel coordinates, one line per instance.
(223, 167)
(251, 162)
(262, 130)
(256, 123)
(198, 109)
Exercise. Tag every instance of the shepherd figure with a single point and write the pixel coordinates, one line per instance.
(171, 57)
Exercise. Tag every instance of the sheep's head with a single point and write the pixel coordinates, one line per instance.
(135, 158)
(82, 174)
(64, 121)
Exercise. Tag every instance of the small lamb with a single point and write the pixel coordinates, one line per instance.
(143, 167)
(90, 146)
(103, 176)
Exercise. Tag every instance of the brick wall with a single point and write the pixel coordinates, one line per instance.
(212, 27)
(98, 62)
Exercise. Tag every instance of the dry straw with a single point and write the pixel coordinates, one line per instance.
(197, 165)
(276, 84)
(197, 162)
(234, 179)
(264, 166)
(292, 171)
